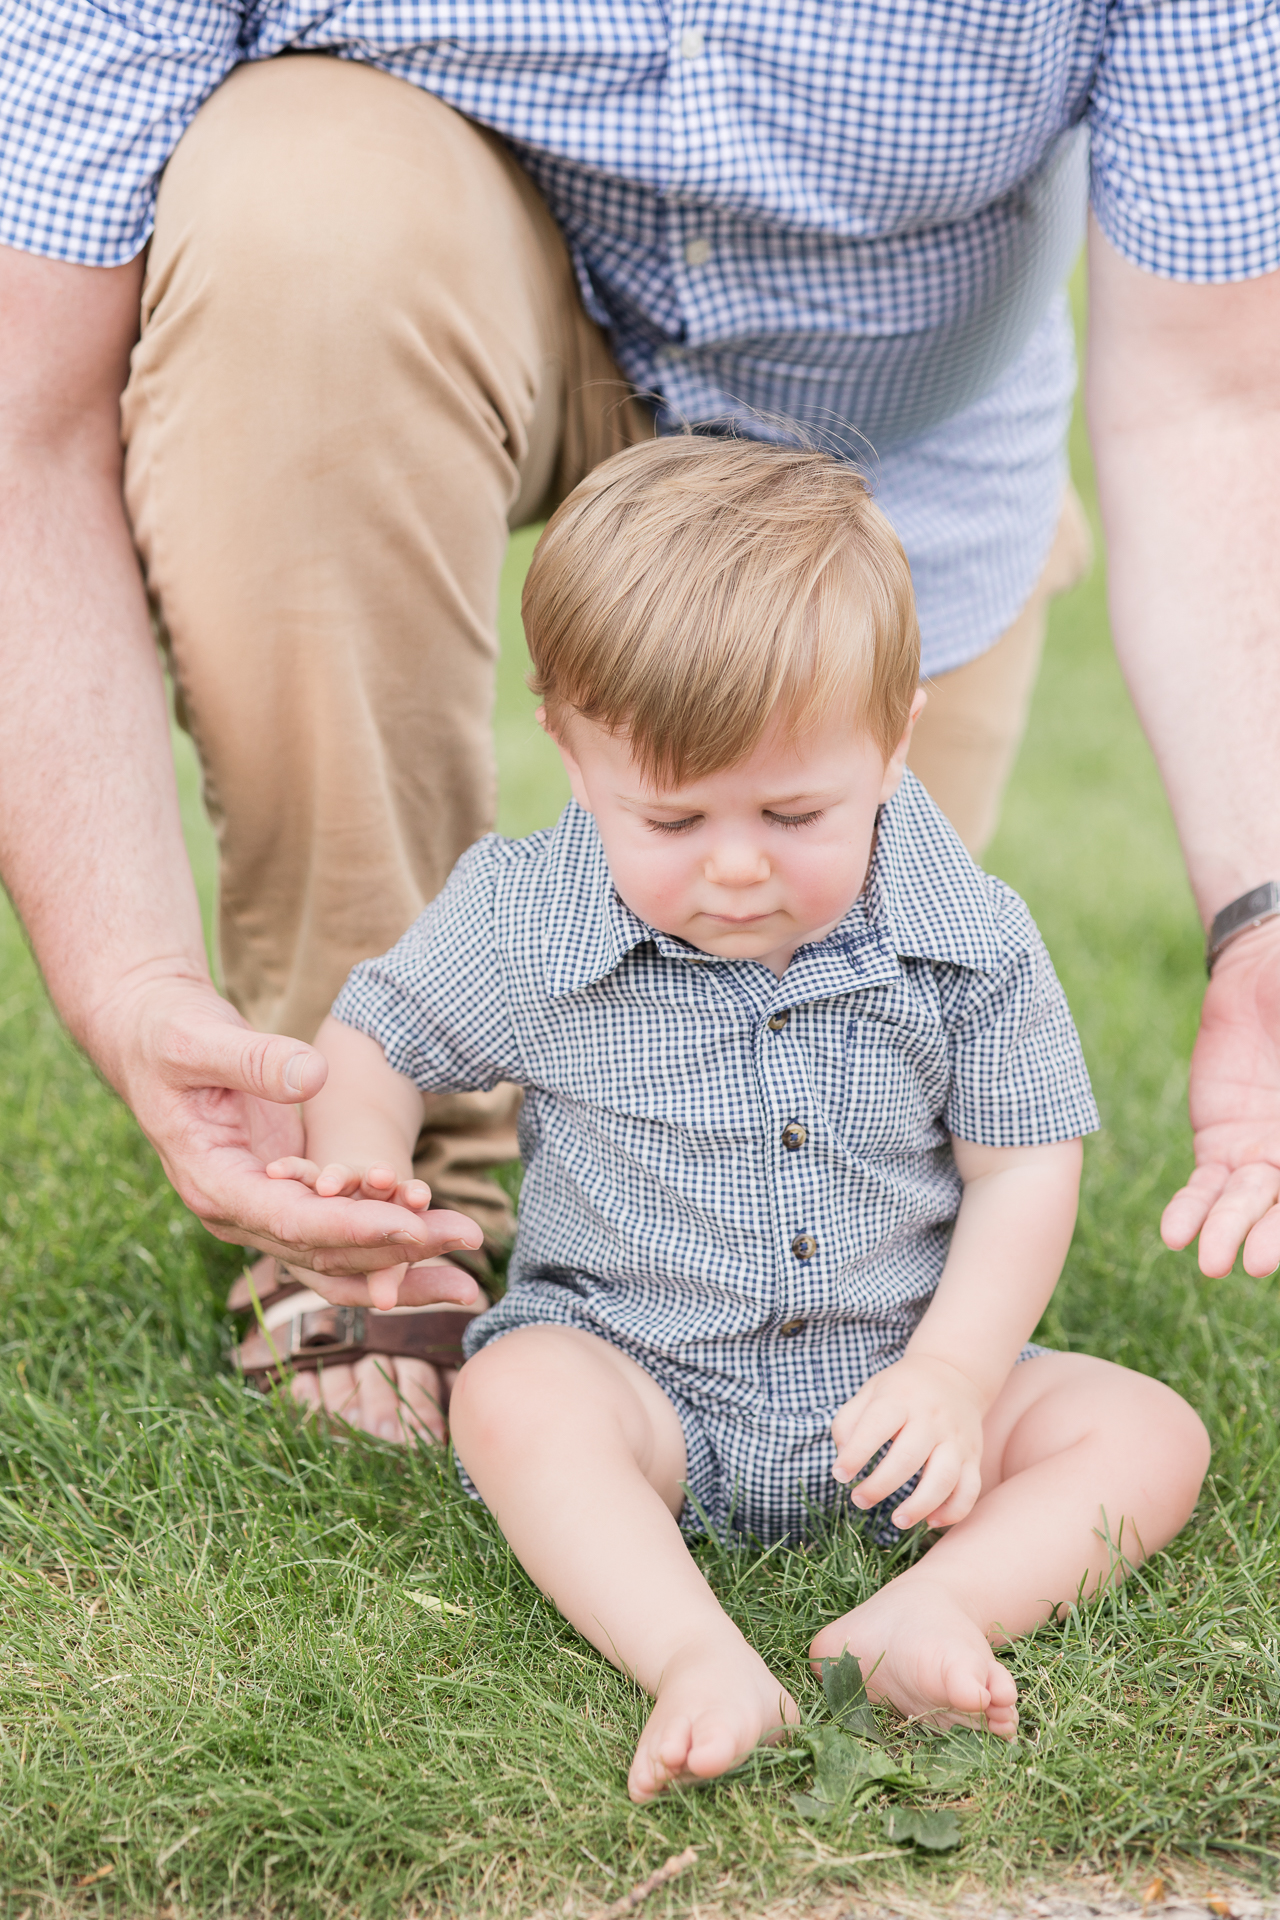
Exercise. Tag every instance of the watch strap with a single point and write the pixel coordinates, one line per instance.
(1239, 916)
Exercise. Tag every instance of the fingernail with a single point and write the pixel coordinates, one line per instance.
(841, 1474)
(293, 1072)
(461, 1246)
(400, 1238)
(387, 1430)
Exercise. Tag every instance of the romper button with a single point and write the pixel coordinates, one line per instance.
(790, 1328)
(777, 1021)
(804, 1246)
(794, 1135)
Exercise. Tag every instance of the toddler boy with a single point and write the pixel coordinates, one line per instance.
(801, 1129)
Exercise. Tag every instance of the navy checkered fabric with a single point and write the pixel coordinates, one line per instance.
(855, 219)
(745, 1183)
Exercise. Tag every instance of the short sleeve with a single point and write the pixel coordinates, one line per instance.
(437, 1003)
(1185, 133)
(93, 100)
(1018, 1077)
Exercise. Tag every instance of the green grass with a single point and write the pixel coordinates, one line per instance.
(217, 1690)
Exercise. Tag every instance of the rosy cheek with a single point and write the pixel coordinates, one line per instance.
(652, 879)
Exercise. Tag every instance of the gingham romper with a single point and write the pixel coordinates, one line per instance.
(744, 1182)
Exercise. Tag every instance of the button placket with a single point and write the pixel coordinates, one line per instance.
(787, 1096)
(694, 126)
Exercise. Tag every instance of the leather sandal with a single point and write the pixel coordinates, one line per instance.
(301, 1331)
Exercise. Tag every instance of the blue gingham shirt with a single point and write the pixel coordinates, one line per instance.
(662, 1206)
(853, 218)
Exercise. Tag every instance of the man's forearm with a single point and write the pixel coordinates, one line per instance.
(90, 839)
(1184, 392)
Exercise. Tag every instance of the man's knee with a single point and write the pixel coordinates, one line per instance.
(317, 193)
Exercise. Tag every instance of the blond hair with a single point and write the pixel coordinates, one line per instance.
(692, 588)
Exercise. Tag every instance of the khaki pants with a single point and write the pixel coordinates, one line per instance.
(364, 359)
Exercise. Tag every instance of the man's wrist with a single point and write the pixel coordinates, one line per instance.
(1240, 916)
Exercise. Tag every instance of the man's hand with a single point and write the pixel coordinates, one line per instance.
(932, 1414)
(399, 1285)
(1233, 1194)
(219, 1101)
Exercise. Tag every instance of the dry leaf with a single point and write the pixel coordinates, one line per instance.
(1218, 1903)
(99, 1873)
(1154, 1893)
(433, 1603)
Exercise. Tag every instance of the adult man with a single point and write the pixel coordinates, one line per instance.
(367, 347)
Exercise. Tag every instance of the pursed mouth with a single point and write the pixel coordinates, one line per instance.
(747, 920)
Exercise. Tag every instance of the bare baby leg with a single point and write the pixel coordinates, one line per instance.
(580, 1457)
(1086, 1468)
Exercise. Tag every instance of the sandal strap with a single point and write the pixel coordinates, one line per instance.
(303, 1331)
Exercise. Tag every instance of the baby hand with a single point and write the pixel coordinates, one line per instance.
(336, 1182)
(932, 1414)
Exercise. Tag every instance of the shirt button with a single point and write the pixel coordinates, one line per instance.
(794, 1135)
(777, 1021)
(697, 252)
(804, 1246)
(790, 1328)
(692, 41)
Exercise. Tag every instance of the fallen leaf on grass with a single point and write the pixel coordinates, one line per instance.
(1153, 1893)
(938, 1831)
(846, 1696)
(948, 1764)
(99, 1873)
(1216, 1903)
(434, 1604)
(847, 1770)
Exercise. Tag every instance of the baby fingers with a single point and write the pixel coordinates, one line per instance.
(860, 1438)
(336, 1182)
(905, 1457)
(414, 1194)
(293, 1167)
(384, 1287)
(960, 1504)
(946, 1491)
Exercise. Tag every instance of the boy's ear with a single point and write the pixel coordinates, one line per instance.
(896, 765)
(576, 783)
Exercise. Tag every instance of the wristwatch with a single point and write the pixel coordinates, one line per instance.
(1238, 916)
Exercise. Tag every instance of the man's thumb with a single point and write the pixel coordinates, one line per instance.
(269, 1065)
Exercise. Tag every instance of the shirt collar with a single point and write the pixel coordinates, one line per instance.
(924, 899)
(588, 942)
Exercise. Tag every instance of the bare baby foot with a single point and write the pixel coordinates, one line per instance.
(715, 1702)
(920, 1651)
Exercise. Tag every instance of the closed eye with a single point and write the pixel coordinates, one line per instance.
(795, 819)
(674, 826)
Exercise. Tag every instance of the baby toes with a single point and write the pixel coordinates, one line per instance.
(660, 1758)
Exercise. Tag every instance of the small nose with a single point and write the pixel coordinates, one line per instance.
(737, 863)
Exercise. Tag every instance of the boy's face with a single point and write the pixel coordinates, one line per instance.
(750, 862)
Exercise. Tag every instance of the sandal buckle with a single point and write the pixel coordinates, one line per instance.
(328, 1331)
